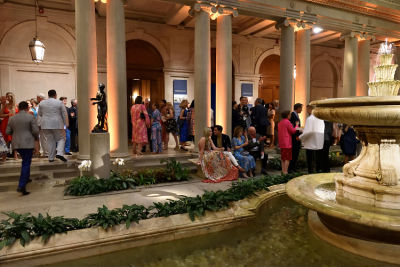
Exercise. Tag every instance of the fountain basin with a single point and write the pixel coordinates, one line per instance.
(360, 226)
(379, 111)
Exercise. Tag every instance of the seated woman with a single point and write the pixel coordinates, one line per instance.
(216, 166)
(246, 161)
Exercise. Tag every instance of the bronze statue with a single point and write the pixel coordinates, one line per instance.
(101, 102)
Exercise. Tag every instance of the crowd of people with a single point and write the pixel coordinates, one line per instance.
(254, 129)
(37, 127)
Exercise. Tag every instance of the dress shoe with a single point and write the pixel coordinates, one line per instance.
(51, 160)
(68, 153)
(61, 158)
(23, 191)
(29, 181)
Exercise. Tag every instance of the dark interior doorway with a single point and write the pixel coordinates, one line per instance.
(144, 72)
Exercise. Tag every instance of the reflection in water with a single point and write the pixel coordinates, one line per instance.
(280, 237)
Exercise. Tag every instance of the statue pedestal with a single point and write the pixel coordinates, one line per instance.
(100, 154)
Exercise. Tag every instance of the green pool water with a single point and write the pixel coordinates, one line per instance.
(279, 237)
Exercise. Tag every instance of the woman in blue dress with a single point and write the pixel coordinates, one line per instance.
(183, 124)
(246, 161)
(156, 141)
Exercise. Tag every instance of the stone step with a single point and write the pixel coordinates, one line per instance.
(40, 175)
(11, 167)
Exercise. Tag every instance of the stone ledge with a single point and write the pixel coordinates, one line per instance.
(95, 241)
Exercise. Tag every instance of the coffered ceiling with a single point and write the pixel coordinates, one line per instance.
(175, 13)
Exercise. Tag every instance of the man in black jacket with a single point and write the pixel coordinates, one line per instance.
(260, 121)
(296, 143)
(221, 140)
(73, 124)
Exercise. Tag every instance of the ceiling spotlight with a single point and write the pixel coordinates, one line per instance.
(317, 29)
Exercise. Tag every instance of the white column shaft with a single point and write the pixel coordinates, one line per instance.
(224, 73)
(202, 76)
(86, 69)
(116, 79)
(350, 66)
(302, 82)
(363, 67)
(286, 68)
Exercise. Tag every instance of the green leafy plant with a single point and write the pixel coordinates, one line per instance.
(25, 227)
(126, 179)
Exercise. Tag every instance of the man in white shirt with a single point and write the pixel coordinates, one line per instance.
(312, 139)
(53, 117)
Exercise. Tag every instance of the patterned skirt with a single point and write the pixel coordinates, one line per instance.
(3, 146)
(217, 167)
(171, 126)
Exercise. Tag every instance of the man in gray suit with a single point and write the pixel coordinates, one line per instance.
(53, 117)
(24, 130)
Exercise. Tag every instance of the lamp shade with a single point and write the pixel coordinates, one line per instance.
(37, 49)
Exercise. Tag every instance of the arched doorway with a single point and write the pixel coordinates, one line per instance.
(144, 72)
(268, 88)
(323, 81)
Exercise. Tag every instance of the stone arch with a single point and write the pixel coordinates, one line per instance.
(264, 55)
(152, 40)
(52, 35)
(328, 84)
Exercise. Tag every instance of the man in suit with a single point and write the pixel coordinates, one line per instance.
(260, 121)
(73, 124)
(54, 116)
(256, 148)
(24, 130)
(296, 143)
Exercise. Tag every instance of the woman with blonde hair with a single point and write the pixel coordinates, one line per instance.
(170, 125)
(8, 110)
(216, 166)
(183, 124)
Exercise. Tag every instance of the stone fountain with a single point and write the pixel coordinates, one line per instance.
(359, 209)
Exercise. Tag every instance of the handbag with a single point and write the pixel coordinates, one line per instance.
(244, 153)
(142, 115)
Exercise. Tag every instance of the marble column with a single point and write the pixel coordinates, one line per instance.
(397, 61)
(202, 73)
(286, 68)
(363, 67)
(302, 82)
(224, 73)
(116, 79)
(350, 65)
(86, 69)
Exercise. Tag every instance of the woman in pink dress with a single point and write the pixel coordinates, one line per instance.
(285, 132)
(140, 122)
(8, 110)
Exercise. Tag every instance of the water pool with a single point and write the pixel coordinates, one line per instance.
(279, 237)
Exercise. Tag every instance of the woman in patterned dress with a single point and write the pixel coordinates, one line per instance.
(156, 140)
(140, 120)
(216, 166)
(170, 125)
(246, 161)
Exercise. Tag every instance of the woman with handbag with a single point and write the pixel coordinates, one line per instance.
(246, 161)
(140, 121)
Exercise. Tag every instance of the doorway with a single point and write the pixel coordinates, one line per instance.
(268, 88)
(144, 72)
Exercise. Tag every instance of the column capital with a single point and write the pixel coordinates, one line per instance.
(297, 24)
(214, 9)
(359, 35)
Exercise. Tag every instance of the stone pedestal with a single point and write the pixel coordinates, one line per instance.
(100, 154)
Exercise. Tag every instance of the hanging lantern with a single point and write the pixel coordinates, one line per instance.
(37, 49)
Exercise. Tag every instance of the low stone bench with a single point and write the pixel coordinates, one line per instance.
(199, 172)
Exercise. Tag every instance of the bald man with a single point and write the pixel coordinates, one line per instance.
(256, 147)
